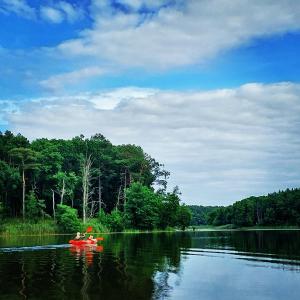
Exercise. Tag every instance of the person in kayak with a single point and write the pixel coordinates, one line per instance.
(79, 236)
(91, 238)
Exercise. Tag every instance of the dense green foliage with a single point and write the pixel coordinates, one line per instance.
(282, 208)
(169, 210)
(85, 178)
(142, 207)
(184, 217)
(115, 221)
(67, 218)
(200, 214)
(35, 208)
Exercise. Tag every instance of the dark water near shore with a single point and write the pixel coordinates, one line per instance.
(203, 265)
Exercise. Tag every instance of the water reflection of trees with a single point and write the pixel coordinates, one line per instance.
(133, 266)
(275, 249)
(137, 259)
(284, 243)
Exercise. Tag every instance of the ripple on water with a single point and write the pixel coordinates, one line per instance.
(175, 266)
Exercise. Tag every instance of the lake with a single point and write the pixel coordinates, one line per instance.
(193, 265)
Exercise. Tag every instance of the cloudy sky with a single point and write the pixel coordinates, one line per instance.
(210, 88)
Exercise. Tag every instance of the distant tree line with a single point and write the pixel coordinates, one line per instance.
(281, 208)
(200, 214)
(51, 178)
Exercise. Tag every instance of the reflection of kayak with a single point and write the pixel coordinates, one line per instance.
(85, 242)
(86, 251)
(82, 242)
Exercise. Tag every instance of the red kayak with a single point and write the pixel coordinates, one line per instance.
(85, 242)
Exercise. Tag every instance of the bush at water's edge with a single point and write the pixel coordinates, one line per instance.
(19, 227)
(44, 227)
(28, 227)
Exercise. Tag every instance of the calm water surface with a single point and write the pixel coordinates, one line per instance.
(202, 265)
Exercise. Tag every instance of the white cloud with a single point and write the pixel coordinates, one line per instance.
(148, 4)
(6, 107)
(18, 7)
(58, 82)
(220, 145)
(51, 14)
(58, 12)
(72, 13)
(182, 34)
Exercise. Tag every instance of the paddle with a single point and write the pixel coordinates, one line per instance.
(90, 229)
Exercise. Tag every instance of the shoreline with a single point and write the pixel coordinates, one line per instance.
(250, 228)
(245, 229)
(160, 231)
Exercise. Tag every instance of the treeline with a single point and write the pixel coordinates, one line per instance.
(88, 177)
(281, 208)
(200, 214)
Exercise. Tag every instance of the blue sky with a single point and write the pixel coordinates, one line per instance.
(115, 58)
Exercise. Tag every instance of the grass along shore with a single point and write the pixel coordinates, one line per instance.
(41, 227)
(11, 227)
(28, 227)
(230, 227)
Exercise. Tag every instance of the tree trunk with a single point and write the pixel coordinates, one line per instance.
(62, 192)
(130, 179)
(92, 209)
(53, 204)
(86, 182)
(6, 203)
(84, 198)
(23, 193)
(125, 185)
(258, 214)
(99, 191)
(119, 197)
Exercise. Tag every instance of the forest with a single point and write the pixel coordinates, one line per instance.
(276, 209)
(82, 180)
(200, 214)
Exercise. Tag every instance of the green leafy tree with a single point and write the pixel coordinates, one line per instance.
(220, 217)
(142, 207)
(65, 185)
(281, 208)
(270, 216)
(9, 185)
(184, 216)
(200, 214)
(67, 219)
(114, 169)
(35, 208)
(102, 217)
(10, 141)
(169, 209)
(25, 158)
(115, 221)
